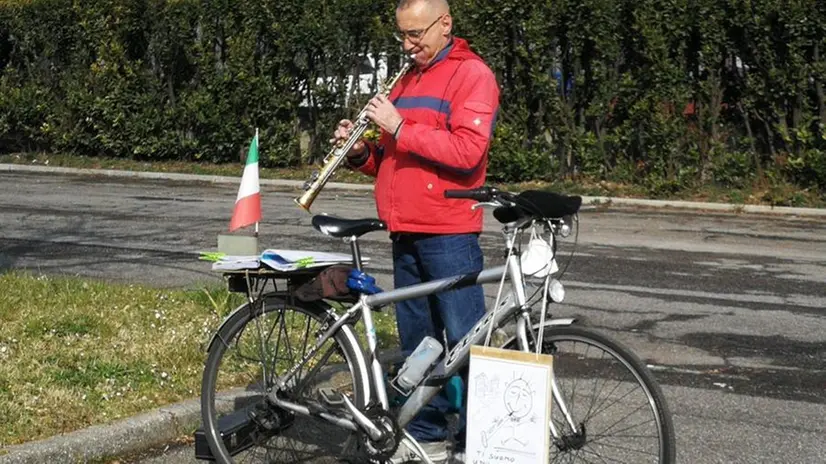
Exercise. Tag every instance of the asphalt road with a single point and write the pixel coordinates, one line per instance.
(728, 309)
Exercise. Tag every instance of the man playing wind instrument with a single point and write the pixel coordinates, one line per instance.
(436, 128)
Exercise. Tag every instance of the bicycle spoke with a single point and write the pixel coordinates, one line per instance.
(303, 383)
(629, 428)
(287, 342)
(573, 393)
(617, 422)
(614, 402)
(585, 450)
(263, 349)
(304, 346)
(587, 461)
(257, 352)
(594, 397)
(616, 417)
(601, 457)
(625, 448)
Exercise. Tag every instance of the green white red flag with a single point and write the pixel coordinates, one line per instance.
(248, 203)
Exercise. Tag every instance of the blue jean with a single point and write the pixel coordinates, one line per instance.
(420, 258)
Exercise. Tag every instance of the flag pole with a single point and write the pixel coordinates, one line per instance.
(256, 144)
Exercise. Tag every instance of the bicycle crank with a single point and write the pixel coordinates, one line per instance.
(385, 447)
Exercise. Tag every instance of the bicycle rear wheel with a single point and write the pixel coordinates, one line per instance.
(259, 342)
(616, 410)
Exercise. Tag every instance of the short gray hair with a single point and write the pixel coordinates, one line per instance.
(437, 4)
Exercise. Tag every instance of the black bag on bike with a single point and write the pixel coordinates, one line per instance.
(331, 284)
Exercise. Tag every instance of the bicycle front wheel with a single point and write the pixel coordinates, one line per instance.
(258, 343)
(608, 407)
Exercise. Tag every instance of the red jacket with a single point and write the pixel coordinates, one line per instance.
(449, 112)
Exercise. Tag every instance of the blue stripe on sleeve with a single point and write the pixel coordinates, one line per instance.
(431, 103)
(493, 123)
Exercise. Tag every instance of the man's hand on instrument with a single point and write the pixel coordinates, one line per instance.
(382, 112)
(342, 133)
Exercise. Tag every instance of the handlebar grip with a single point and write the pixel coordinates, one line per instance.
(457, 193)
(478, 194)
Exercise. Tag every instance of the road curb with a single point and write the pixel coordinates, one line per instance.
(587, 200)
(171, 176)
(108, 441)
(700, 206)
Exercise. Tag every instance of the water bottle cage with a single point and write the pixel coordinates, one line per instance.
(398, 373)
(406, 394)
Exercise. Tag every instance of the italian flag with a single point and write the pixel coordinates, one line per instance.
(248, 203)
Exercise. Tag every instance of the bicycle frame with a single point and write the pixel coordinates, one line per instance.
(454, 360)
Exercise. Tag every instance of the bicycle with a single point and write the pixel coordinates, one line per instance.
(348, 400)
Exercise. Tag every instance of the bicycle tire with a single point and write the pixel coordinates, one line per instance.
(555, 335)
(345, 343)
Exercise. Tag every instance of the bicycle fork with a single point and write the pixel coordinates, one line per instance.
(522, 337)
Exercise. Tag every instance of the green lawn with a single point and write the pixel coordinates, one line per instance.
(77, 352)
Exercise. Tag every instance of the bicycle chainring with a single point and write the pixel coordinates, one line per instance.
(382, 450)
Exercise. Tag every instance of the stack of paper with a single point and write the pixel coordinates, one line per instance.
(234, 263)
(280, 260)
(289, 260)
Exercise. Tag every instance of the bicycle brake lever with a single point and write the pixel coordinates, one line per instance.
(494, 204)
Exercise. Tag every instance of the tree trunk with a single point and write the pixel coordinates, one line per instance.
(313, 107)
(715, 102)
(769, 135)
(784, 127)
(170, 88)
(797, 114)
(601, 142)
(821, 99)
(750, 134)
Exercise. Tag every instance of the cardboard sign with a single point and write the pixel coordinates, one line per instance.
(509, 406)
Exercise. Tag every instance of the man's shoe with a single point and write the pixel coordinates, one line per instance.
(435, 450)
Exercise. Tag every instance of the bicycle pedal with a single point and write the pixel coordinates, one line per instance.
(331, 397)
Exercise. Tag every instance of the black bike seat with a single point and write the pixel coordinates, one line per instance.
(338, 227)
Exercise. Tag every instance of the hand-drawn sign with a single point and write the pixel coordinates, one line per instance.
(509, 406)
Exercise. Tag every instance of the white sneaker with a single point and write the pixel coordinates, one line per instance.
(436, 451)
(459, 458)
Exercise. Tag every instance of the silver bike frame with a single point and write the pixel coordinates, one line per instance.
(451, 362)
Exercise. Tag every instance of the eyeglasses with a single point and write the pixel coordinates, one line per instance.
(414, 35)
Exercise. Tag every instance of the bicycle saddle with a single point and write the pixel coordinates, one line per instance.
(338, 227)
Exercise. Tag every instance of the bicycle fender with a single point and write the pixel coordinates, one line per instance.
(561, 322)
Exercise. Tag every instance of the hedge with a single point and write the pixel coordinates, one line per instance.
(664, 93)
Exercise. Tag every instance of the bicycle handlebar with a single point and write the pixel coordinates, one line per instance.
(530, 202)
(481, 194)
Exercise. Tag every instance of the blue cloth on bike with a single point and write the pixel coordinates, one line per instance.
(360, 282)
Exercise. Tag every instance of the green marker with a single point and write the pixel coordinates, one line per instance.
(304, 262)
(211, 256)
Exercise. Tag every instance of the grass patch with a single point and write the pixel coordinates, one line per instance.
(78, 352)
